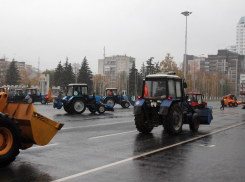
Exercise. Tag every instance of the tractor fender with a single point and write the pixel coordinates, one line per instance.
(165, 105)
(138, 105)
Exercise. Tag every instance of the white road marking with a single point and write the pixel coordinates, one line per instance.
(112, 134)
(205, 145)
(95, 125)
(43, 146)
(142, 155)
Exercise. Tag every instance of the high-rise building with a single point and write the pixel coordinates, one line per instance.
(240, 36)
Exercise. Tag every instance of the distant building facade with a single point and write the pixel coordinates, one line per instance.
(240, 36)
(110, 67)
(228, 62)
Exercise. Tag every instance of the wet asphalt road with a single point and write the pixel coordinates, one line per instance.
(93, 147)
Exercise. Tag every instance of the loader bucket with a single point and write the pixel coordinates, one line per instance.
(35, 128)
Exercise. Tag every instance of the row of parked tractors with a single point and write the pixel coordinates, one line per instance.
(162, 102)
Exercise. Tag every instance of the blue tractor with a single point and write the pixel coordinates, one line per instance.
(163, 102)
(112, 97)
(20, 95)
(77, 99)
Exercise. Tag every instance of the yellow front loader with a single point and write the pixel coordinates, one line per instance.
(21, 127)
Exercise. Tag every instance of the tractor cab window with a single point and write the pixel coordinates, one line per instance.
(199, 99)
(69, 91)
(155, 89)
(32, 91)
(78, 90)
(111, 92)
(171, 89)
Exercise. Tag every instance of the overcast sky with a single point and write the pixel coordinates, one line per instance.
(54, 29)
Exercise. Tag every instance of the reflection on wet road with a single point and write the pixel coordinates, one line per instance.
(107, 147)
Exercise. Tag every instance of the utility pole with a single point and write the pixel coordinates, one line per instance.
(38, 71)
(104, 71)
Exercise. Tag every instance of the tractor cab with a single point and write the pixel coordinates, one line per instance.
(110, 91)
(19, 92)
(31, 91)
(195, 100)
(76, 89)
(2, 89)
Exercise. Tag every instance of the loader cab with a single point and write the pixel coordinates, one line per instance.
(75, 89)
(162, 86)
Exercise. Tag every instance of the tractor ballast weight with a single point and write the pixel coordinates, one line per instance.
(21, 127)
(163, 102)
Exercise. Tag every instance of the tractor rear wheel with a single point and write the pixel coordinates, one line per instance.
(195, 122)
(78, 106)
(100, 109)
(67, 109)
(141, 125)
(174, 120)
(235, 104)
(9, 140)
(230, 104)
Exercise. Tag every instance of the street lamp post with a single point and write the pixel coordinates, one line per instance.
(185, 13)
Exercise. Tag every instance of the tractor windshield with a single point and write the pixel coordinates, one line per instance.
(155, 89)
(111, 92)
(77, 90)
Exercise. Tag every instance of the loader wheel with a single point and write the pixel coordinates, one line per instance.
(195, 122)
(141, 125)
(9, 140)
(230, 104)
(110, 101)
(235, 104)
(101, 109)
(174, 120)
(91, 109)
(78, 106)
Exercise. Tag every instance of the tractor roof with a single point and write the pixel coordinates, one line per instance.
(169, 74)
(194, 93)
(77, 84)
(111, 89)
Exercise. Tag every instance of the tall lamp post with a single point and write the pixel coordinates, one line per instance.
(185, 13)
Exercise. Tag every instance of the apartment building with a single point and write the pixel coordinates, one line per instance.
(240, 36)
(115, 64)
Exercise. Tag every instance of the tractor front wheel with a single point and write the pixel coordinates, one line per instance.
(43, 101)
(235, 104)
(9, 140)
(126, 105)
(78, 106)
(101, 109)
(195, 122)
(141, 125)
(174, 120)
